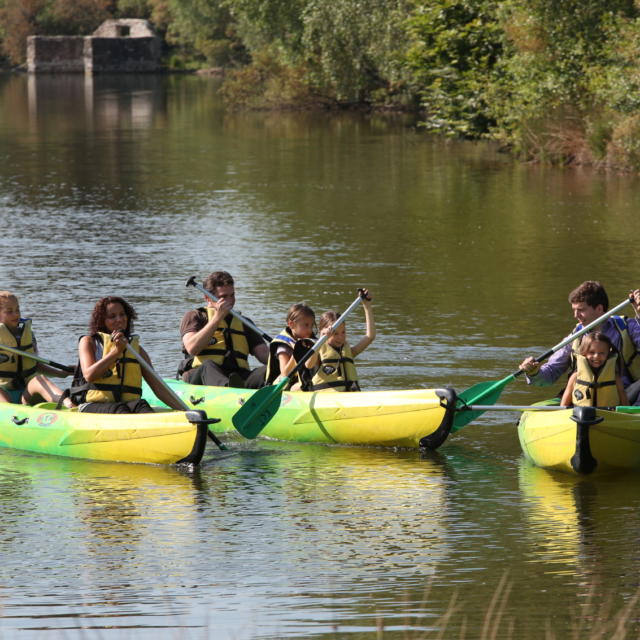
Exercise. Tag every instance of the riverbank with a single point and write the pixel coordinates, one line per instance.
(552, 82)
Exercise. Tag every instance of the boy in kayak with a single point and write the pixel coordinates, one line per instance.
(108, 379)
(588, 302)
(332, 366)
(596, 381)
(20, 380)
(216, 344)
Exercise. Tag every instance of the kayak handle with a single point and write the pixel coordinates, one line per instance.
(200, 417)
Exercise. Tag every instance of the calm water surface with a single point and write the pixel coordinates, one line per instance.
(131, 185)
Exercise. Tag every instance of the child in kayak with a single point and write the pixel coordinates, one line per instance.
(332, 366)
(286, 349)
(597, 381)
(108, 379)
(20, 380)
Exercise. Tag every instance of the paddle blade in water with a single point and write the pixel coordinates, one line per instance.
(254, 415)
(482, 393)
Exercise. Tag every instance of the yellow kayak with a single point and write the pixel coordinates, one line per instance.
(410, 418)
(582, 440)
(162, 437)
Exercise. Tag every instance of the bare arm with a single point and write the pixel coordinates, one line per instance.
(567, 400)
(287, 364)
(370, 331)
(92, 369)
(622, 394)
(52, 371)
(195, 341)
(159, 390)
(261, 351)
(312, 361)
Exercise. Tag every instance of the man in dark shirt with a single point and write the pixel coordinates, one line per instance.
(217, 345)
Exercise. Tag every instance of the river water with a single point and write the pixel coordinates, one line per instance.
(129, 186)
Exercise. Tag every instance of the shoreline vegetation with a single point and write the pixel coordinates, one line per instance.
(552, 82)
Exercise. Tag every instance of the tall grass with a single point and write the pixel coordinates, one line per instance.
(595, 619)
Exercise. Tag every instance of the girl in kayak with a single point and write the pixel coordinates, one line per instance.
(286, 349)
(597, 381)
(20, 380)
(108, 380)
(332, 366)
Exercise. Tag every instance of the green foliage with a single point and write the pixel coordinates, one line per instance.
(268, 84)
(203, 30)
(567, 69)
(456, 45)
(270, 24)
(357, 48)
(134, 9)
(351, 49)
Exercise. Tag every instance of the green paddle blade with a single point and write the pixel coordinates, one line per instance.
(254, 415)
(482, 393)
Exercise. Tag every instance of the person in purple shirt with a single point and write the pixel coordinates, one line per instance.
(588, 302)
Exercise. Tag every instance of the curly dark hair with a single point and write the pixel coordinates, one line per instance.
(99, 313)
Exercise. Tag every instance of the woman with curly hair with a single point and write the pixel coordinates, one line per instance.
(108, 380)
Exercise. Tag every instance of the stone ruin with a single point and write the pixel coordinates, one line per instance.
(116, 46)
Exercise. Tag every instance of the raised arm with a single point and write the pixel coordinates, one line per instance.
(370, 325)
(195, 341)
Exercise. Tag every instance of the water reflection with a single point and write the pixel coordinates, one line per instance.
(93, 526)
(100, 102)
(571, 522)
(131, 185)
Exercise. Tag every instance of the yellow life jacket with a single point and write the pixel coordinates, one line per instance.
(121, 383)
(15, 370)
(596, 390)
(228, 341)
(299, 347)
(627, 349)
(336, 370)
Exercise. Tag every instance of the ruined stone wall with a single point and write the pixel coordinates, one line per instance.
(111, 55)
(124, 27)
(62, 54)
(89, 54)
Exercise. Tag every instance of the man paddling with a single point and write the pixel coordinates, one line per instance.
(216, 344)
(588, 302)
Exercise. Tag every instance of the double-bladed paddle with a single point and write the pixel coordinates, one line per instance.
(487, 393)
(191, 282)
(256, 412)
(26, 354)
(177, 399)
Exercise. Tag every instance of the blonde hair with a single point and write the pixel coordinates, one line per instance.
(327, 319)
(6, 297)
